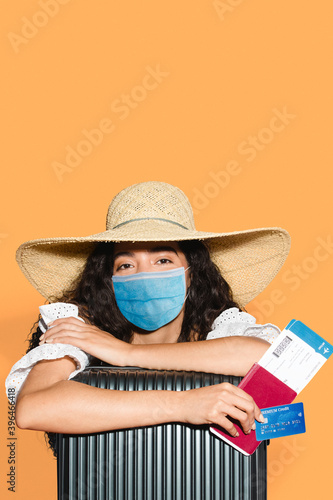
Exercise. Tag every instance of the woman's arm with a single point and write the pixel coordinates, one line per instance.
(228, 355)
(49, 402)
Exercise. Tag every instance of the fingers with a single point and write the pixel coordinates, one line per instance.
(226, 424)
(233, 404)
(62, 329)
(258, 415)
(238, 408)
(89, 338)
(243, 414)
(71, 322)
(237, 391)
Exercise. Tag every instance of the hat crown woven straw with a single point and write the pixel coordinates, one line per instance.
(150, 201)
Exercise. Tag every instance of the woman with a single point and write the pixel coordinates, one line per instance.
(147, 293)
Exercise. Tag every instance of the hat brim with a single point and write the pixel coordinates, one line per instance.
(248, 260)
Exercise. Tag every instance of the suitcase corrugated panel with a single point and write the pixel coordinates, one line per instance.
(163, 462)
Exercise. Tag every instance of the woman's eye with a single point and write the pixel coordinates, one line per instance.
(123, 266)
(164, 261)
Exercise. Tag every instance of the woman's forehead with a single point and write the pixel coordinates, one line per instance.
(149, 246)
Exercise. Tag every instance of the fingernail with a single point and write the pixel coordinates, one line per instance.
(261, 418)
(253, 426)
(237, 434)
(41, 337)
(49, 341)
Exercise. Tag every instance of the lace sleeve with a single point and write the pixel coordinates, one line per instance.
(234, 322)
(22, 368)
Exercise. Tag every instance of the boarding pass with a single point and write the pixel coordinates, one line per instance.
(296, 355)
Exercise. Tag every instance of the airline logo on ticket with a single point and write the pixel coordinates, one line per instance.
(284, 420)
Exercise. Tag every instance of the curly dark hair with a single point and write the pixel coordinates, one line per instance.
(208, 295)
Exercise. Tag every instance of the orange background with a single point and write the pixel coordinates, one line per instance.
(227, 71)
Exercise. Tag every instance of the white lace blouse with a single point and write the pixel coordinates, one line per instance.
(229, 323)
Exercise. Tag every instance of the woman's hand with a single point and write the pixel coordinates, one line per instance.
(89, 338)
(213, 404)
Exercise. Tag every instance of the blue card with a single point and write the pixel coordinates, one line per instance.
(280, 421)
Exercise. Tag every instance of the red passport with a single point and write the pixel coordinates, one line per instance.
(267, 391)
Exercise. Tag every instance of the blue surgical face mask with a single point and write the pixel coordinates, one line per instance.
(150, 300)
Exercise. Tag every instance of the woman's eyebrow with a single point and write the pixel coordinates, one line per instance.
(123, 254)
(151, 250)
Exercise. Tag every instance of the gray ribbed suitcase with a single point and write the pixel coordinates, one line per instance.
(164, 462)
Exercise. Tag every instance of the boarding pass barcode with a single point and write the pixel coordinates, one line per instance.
(282, 346)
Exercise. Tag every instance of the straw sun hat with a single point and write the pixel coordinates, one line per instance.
(156, 211)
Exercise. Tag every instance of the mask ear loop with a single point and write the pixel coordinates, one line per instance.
(188, 287)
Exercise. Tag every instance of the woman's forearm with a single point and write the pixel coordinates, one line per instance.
(72, 407)
(228, 356)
